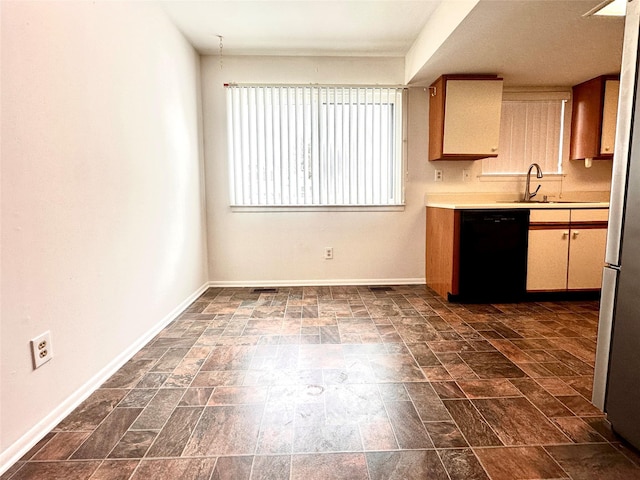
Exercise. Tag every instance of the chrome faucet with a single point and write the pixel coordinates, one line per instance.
(527, 189)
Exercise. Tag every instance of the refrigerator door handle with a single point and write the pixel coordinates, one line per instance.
(607, 305)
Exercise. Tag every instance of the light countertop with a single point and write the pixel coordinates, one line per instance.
(485, 204)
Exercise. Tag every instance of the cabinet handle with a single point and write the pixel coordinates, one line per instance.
(494, 149)
(565, 234)
(606, 149)
(575, 234)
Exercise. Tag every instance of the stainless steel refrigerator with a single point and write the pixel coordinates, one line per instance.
(616, 387)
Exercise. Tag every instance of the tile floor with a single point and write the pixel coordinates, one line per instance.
(347, 383)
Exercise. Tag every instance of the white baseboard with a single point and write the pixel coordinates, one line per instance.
(319, 283)
(15, 451)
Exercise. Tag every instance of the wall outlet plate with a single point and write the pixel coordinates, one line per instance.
(438, 176)
(328, 253)
(41, 349)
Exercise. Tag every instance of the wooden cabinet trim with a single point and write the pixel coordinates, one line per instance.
(442, 250)
(437, 118)
(586, 119)
(560, 226)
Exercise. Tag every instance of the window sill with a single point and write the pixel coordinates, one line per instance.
(317, 208)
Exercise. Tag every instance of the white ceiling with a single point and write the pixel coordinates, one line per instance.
(528, 42)
(302, 27)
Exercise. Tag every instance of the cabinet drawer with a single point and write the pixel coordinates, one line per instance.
(590, 215)
(550, 216)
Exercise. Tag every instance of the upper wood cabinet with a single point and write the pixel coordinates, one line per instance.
(593, 120)
(464, 117)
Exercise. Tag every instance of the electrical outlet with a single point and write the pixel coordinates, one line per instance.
(466, 175)
(328, 253)
(438, 176)
(41, 349)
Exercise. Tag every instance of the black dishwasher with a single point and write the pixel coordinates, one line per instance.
(493, 255)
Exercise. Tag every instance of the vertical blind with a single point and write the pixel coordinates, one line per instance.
(315, 145)
(530, 132)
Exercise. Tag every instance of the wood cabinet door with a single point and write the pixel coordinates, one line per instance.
(472, 117)
(586, 258)
(609, 112)
(547, 259)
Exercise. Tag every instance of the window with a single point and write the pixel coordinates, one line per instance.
(315, 145)
(531, 131)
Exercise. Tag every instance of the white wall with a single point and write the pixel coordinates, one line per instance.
(576, 183)
(287, 248)
(103, 223)
(383, 247)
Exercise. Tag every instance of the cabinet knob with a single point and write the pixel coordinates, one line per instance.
(494, 149)
(565, 234)
(606, 149)
(575, 234)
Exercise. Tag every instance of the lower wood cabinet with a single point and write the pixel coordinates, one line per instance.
(566, 249)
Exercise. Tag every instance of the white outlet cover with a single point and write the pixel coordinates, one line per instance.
(41, 349)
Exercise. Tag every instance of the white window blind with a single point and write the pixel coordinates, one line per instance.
(531, 131)
(315, 145)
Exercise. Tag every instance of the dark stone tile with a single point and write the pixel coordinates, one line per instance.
(12, 470)
(61, 446)
(130, 374)
(578, 430)
(107, 435)
(138, 398)
(275, 467)
(537, 395)
(427, 402)
(234, 357)
(475, 429)
(336, 466)
(152, 380)
(408, 427)
(182, 468)
(115, 470)
(603, 427)
(499, 387)
(519, 463)
(579, 405)
(176, 432)
(218, 378)
(406, 465)
(93, 410)
(448, 390)
(423, 355)
(517, 422)
(56, 470)
(226, 430)
(159, 409)
(134, 444)
(601, 461)
(36, 448)
(462, 464)
(445, 435)
(194, 397)
(232, 468)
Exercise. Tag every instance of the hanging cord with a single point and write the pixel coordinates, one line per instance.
(220, 49)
